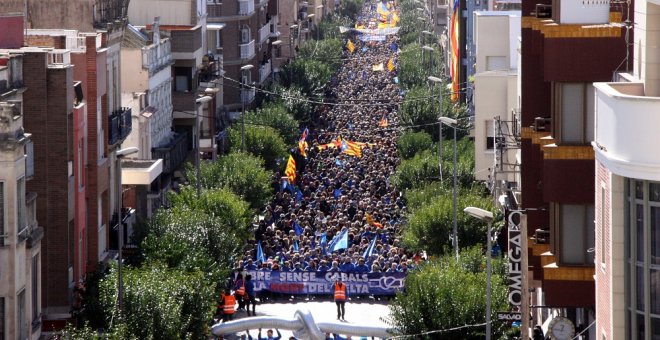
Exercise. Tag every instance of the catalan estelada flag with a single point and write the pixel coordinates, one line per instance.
(383, 122)
(351, 148)
(370, 221)
(455, 51)
(303, 136)
(350, 46)
(290, 170)
(302, 147)
(390, 65)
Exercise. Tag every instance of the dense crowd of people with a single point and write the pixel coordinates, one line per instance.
(336, 191)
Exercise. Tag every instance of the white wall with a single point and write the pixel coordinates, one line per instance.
(171, 12)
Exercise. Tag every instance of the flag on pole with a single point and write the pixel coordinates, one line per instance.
(351, 148)
(370, 249)
(342, 241)
(324, 243)
(299, 195)
(350, 46)
(370, 221)
(297, 228)
(383, 122)
(338, 162)
(302, 147)
(291, 170)
(295, 246)
(454, 30)
(303, 136)
(260, 253)
(390, 65)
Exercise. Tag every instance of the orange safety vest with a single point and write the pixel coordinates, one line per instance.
(230, 302)
(241, 290)
(340, 292)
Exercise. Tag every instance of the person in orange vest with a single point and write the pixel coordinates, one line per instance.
(239, 291)
(229, 306)
(219, 310)
(341, 295)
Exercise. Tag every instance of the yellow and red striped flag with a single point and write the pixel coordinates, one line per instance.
(290, 170)
(383, 122)
(350, 46)
(370, 221)
(390, 65)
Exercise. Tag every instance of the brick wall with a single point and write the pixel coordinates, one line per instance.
(58, 42)
(47, 103)
(602, 209)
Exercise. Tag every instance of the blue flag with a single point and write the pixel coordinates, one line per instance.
(341, 241)
(337, 193)
(260, 253)
(338, 162)
(295, 246)
(313, 242)
(299, 195)
(297, 228)
(370, 249)
(324, 243)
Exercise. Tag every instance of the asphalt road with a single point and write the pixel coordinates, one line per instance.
(359, 312)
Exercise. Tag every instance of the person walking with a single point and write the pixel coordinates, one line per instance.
(239, 291)
(250, 298)
(269, 335)
(341, 295)
(229, 306)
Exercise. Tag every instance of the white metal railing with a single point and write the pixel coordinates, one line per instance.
(265, 70)
(247, 50)
(76, 43)
(273, 27)
(59, 57)
(264, 32)
(247, 95)
(155, 56)
(245, 7)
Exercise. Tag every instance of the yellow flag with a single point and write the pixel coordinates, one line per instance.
(390, 65)
(350, 46)
(378, 67)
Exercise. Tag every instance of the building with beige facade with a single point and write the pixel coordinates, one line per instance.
(20, 234)
(496, 100)
(627, 186)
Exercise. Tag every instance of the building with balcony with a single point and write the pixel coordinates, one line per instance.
(561, 56)
(627, 187)
(197, 94)
(497, 158)
(249, 27)
(93, 59)
(20, 234)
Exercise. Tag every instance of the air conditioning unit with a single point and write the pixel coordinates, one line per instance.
(541, 124)
(543, 11)
(542, 236)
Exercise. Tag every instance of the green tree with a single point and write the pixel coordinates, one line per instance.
(446, 294)
(415, 65)
(297, 103)
(241, 173)
(327, 51)
(160, 302)
(278, 117)
(261, 141)
(417, 171)
(329, 28)
(225, 206)
(192, 240)
(410, 143)
(429, 226)
(351, 8)
(310, 75)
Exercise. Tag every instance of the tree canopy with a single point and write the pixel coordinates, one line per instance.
(261, 141)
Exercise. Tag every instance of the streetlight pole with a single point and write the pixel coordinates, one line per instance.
(198, 182)
(437, 80)
(452, 122)
(243, 69)
(487, 216)
(120, 282)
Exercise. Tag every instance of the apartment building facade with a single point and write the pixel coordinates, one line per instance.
(627, 187)
(496, 99)
(107, 124)
(20, 234)
(565, 47)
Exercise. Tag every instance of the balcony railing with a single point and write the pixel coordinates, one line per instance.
(264, 71)
(245, 7)
(247, 95)
(157, 56)
(214, 10)
(172, 153)
(247, 50)
(120, 123)
(264, 32)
